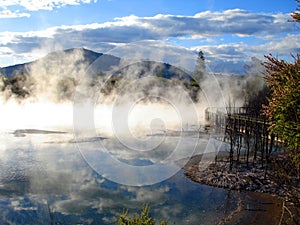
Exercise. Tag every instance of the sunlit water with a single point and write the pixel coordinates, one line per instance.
(44, 179)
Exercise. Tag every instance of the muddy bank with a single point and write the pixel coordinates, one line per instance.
(255, 208)
(218, 174)
(261, 200)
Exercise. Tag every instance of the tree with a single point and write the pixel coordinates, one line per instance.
(296, 14)
(200, 69)
(283, 110)
(283, 113)
(136, 219)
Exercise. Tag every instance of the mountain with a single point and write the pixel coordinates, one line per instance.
(151, 68)
(58, 73)
(15, 70)
(75, 57)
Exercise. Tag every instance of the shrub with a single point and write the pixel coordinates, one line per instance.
(138, 219)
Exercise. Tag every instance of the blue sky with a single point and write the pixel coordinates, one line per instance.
(229, 32)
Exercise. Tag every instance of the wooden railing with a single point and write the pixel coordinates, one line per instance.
(249, 137)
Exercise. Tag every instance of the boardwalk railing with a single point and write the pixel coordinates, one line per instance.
(249, 137)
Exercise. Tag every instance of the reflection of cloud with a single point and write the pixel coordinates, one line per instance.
(59, 170)
(94, 196)
(159, 153)
(58, 180)
(145, 194)
(17, 206)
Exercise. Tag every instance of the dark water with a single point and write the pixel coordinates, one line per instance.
(44, 179)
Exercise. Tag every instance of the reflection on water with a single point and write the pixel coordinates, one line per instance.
(44, 179)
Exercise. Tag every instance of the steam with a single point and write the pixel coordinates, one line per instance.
(127, 108)
(52, 83)
(55, 76)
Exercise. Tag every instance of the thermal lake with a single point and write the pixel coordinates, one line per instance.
(48, 178)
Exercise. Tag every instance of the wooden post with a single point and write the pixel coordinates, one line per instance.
(248, 142)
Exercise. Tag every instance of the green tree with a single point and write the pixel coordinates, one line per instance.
(136, 219)
(283, 109)
(296, 14)
(283, 112)
(200, 69)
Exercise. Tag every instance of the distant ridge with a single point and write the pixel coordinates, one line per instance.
(15, 70)
(88, 57)
(77, 57)
(58, 73)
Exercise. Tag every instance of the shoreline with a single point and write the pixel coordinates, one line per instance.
(261, 200)
(255, 208)
(242, 178)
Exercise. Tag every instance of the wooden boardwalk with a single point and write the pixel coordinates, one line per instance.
(249, 137)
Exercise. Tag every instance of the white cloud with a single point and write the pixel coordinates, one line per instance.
(202, 25)
(234, 55)
(34, 5)
(236, 21)
(272, 33)
(5, 51)
(9, 14)
(226, 52)
(281, 46)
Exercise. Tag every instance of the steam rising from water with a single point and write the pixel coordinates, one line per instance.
(54, 80)
(124, 97)
(41, 114)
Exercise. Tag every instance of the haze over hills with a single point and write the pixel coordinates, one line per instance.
(58, 73)
(80, 57)
(77, 59)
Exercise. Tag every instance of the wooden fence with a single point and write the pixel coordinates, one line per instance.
(249, 137)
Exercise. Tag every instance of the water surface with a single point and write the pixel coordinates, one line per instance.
(45, 179)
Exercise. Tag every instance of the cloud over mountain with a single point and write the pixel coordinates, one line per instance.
(268, 33)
